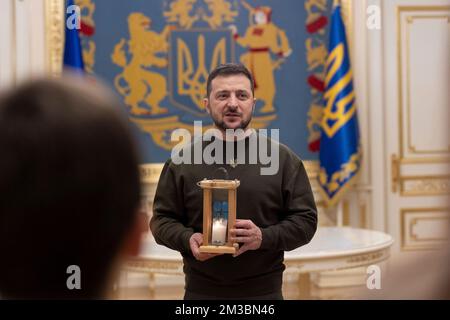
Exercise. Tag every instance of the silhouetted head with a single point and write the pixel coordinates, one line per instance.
(69, 188)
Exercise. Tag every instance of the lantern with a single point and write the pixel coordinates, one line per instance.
(219, 215)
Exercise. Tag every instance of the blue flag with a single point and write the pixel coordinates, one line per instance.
(340, 150)
(73, 52)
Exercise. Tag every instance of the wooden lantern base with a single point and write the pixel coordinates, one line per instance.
(219, 249)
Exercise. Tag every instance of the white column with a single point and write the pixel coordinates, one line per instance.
(37, 37)
(22, 25)
(22, 39)
(368, 67)
(7, 52)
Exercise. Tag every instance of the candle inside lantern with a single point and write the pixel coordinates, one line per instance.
(219, 232)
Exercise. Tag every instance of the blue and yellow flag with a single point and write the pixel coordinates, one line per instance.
(73, 52)
(340, 150)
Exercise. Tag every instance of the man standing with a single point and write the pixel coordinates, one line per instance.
(275, 212)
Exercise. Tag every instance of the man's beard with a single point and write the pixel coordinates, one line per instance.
(222, 126)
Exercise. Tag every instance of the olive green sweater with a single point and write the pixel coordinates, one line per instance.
(281, 205)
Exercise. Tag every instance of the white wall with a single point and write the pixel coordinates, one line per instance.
(22, 39)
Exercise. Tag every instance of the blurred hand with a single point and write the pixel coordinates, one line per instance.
(195, 241)
(246, 232)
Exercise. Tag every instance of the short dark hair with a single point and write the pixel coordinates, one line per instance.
(229, 69)
(69, 188)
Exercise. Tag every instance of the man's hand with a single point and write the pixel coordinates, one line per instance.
(195, 241)
(246, 232)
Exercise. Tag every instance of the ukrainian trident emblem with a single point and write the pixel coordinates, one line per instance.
(194, 53)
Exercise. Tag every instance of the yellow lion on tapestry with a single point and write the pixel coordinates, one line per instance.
(136, 82)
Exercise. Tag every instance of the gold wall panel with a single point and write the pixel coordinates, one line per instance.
(425, 185)
(428, 156)
(411, 217)
(410, 21)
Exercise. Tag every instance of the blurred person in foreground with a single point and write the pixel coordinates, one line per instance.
(69, 187)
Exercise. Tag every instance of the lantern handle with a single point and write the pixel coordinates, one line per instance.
(223, 170)
(199, 182)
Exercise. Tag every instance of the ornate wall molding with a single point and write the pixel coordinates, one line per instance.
(423, 228)
(426, 186)
(406, 15)
(54, 25)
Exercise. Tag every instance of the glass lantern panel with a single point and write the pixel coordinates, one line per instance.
(219, 217)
